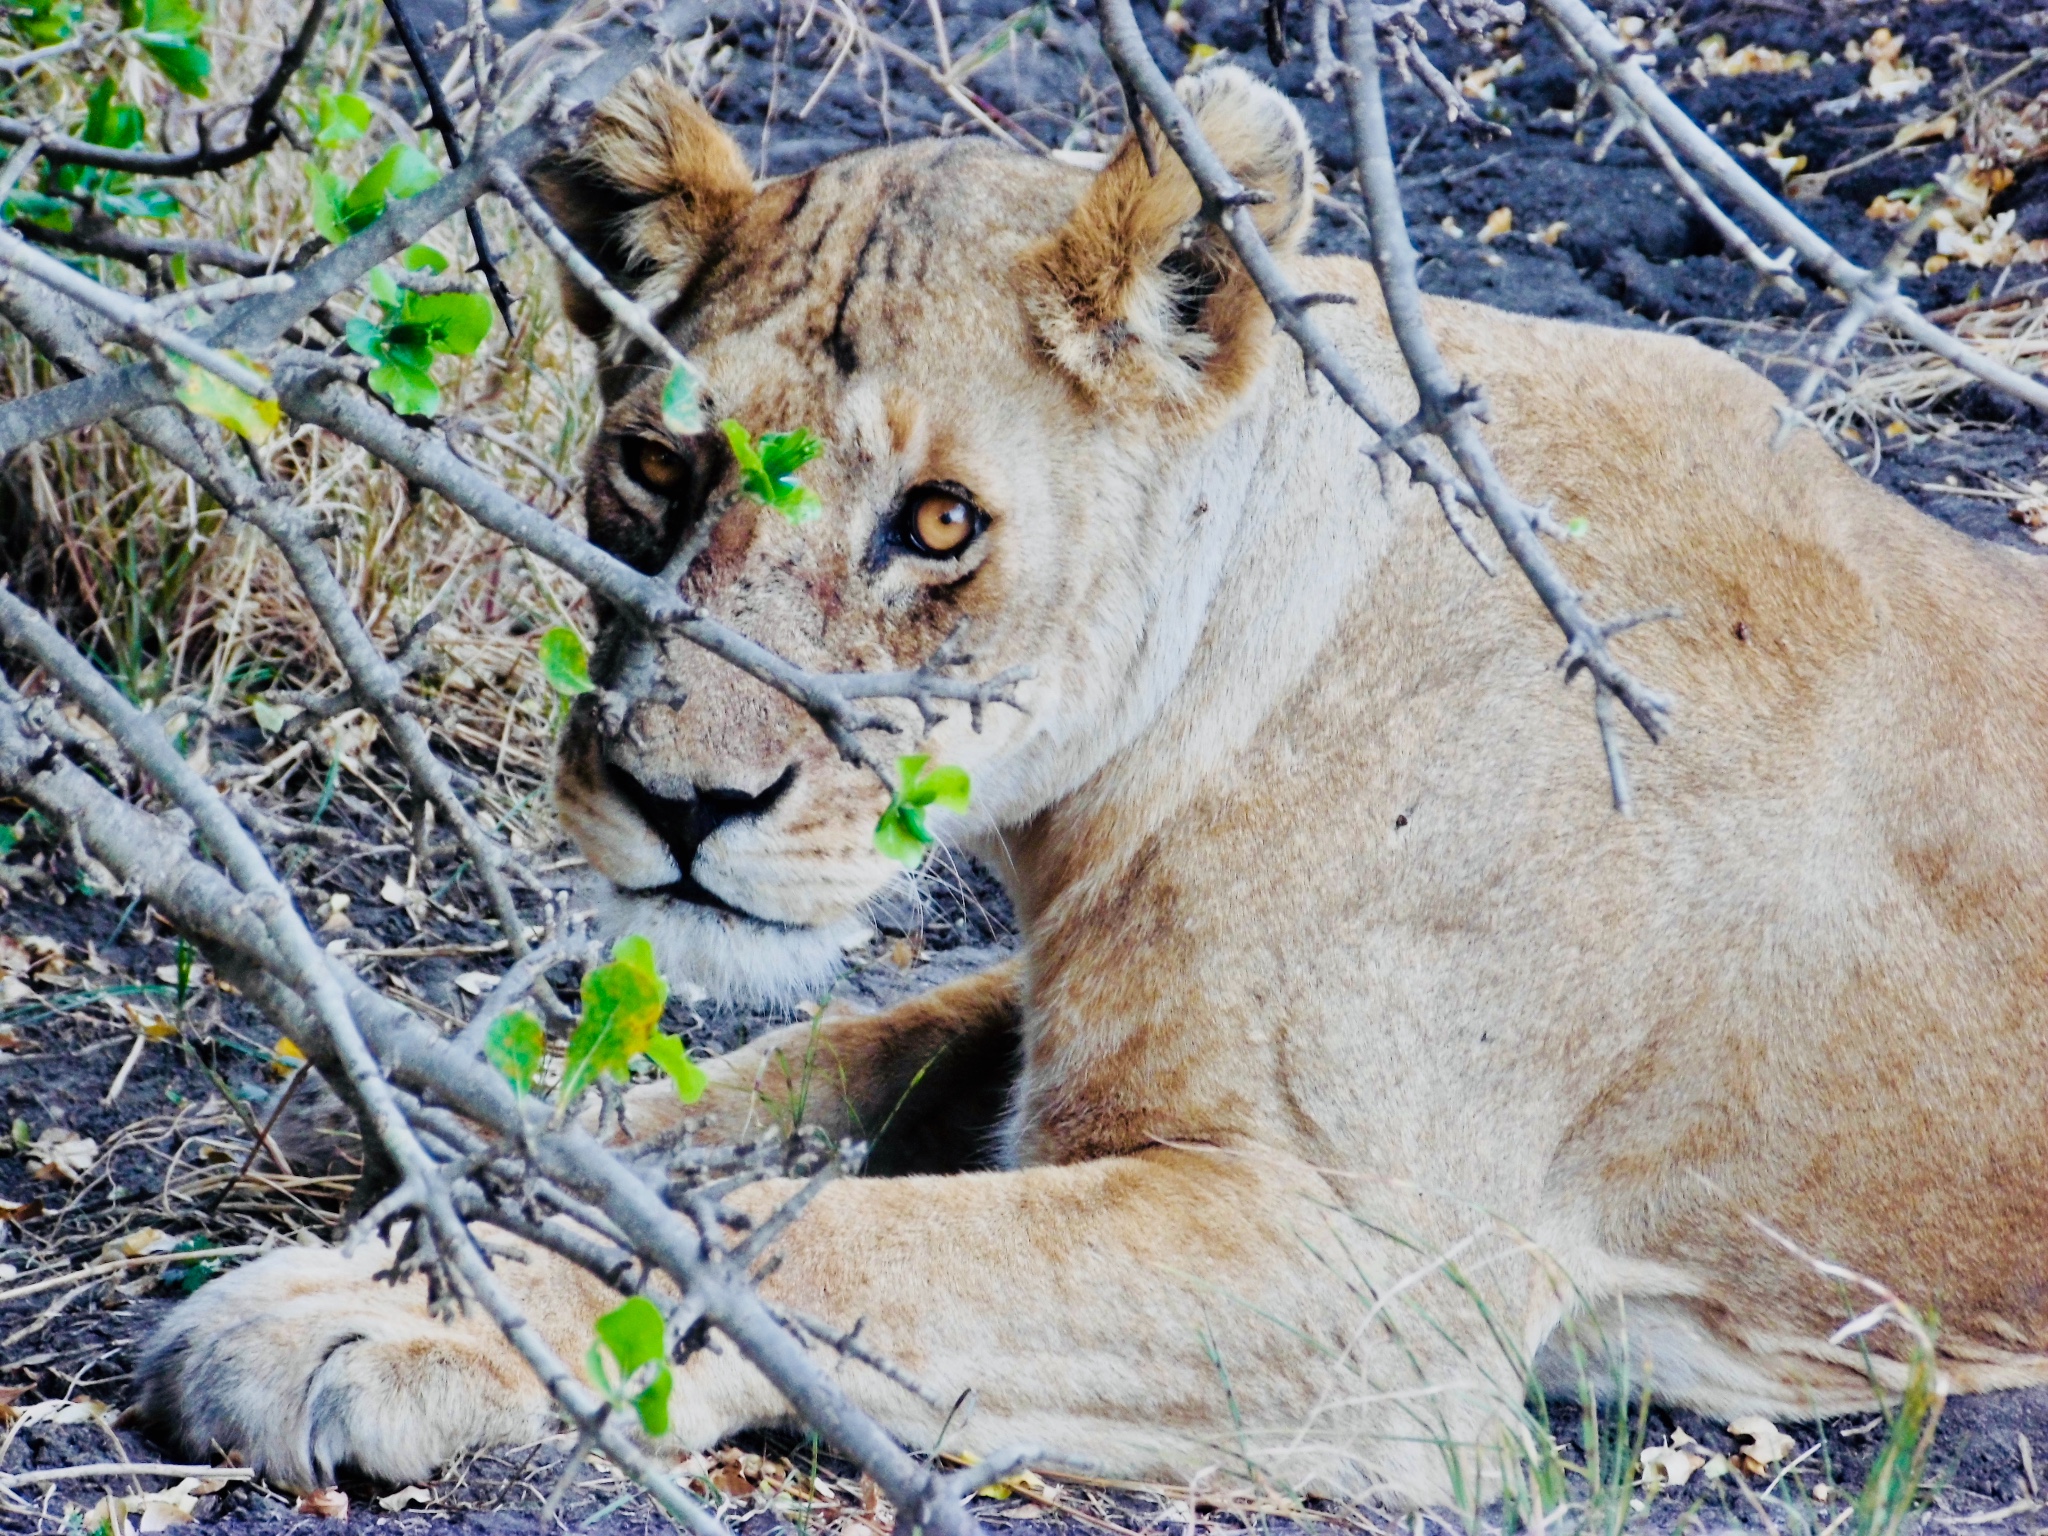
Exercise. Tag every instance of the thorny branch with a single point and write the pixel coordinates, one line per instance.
(362, 1036)
(391, 1066)
(1447, 406)
(461, 1146)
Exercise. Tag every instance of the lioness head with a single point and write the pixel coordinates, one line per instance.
(1018, 370)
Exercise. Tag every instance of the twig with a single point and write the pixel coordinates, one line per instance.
(132, 315)
(451, 141)
(622, 309)
(122, 1469)
(263, 1142)
(115, 1266)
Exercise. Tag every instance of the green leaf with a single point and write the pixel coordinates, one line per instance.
(900, 838)
(403, 172)
(40, 23)
(342, 118)
(564, 662)
(668, 1053)
(365, 337)
(111, 125)
(636, 1339)
(329, 202)
(151, 202)
(178, 19)
(187, 65)
(784, 453)
(208, 394)
(454, 322)
(424, 258)
(515, 1045)
(383, 288)
(767, 470)
(622, 1003)
(38, 208)
(901, 834)
(680, 412)
(1578, 527)
(411, 391)
(946, 787)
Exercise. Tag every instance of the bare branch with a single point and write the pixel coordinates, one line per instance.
(1446, 404)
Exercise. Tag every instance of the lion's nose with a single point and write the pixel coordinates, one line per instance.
(685, 823)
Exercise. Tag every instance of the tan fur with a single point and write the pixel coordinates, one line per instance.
(1336, 962)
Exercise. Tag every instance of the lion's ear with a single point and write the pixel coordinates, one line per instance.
(650, 186)
(1137, 295)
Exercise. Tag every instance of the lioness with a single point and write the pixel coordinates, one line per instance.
(1358, 1048)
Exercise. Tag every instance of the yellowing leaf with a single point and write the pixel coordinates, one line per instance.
(622, 1003)
(210, 395)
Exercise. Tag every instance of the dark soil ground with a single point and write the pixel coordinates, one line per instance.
(1632, 254)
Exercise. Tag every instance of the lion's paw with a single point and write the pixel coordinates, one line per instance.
(302, 1363)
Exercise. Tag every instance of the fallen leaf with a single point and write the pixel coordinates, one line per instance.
(1548, 234)
(1767, 1443)
(109, 1517)
(327, 1503)
(409, 899)
(1893, 75)
(161, 1511)
(1668, 1466)
(1498, 223)
(347, 738)
(1480, 84)
(476, 983)
(731, 1482)
(21, 1211)
(1921, 129)
(58, 1154)
(1717, 62)
(410, 1494)
(136, 1244)
(60, 1411)
(149, 1022)
(46, 955)
(1772, 153)
(2030, 512)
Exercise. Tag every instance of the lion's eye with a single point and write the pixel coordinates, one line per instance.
(937, 523)
(657, 467)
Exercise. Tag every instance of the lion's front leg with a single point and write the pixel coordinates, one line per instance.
(1153, 1315)
(922, 1082)
(302, 1363)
